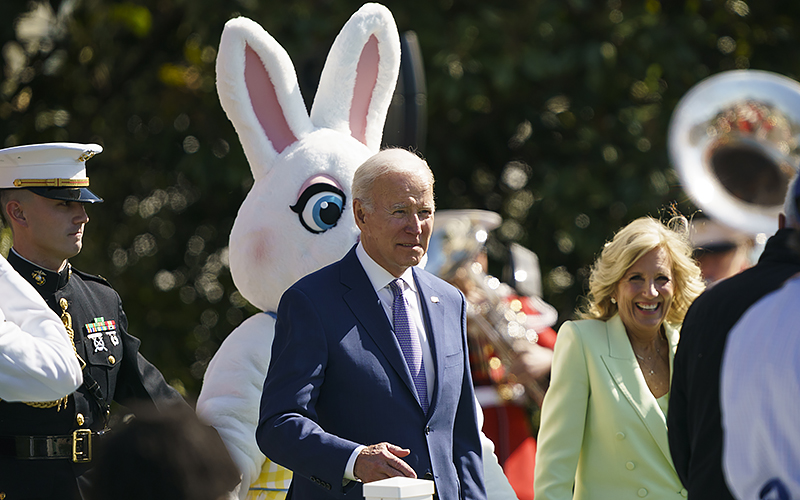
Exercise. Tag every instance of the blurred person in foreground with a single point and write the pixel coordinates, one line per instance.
(369, 376)
(38, 362)
(47, 448)
(720, 250)
(603, 430)
(760, 399)
(695, 429)
(167, 455)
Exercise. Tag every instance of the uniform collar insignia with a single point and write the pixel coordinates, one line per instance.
(39, 277)
(47, 282)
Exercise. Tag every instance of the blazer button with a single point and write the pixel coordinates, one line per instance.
(684, 493)
(642, 492)
(620, 436)
(428, 475)
(428, 430)
(630, 466)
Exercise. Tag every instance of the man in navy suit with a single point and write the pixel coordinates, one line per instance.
(369, 376)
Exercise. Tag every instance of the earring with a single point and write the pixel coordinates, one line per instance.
(613, 300)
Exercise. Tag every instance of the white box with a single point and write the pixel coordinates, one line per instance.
(395, 488)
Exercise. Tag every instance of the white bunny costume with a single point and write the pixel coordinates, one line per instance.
(296, 218)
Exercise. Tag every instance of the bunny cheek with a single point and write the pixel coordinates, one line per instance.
(252, 253)
(259, 247)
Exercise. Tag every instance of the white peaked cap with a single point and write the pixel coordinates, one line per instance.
(54, 170)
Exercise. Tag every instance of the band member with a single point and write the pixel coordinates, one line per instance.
(510, 371)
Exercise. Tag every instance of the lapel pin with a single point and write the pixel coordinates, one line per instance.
(434, 299)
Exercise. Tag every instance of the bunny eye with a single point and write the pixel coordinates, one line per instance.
(319, 207)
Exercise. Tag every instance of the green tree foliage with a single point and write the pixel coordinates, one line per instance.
(553, 113)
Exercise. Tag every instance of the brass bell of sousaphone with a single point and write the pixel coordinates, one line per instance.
(733, 138)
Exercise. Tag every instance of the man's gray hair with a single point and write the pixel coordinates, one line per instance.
(386, 161)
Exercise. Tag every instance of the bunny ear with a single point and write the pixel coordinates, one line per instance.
(359, 76)
(258, 89)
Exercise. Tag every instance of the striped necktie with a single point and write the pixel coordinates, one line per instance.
(406, 332)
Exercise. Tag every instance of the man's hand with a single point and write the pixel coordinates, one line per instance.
(381, 461)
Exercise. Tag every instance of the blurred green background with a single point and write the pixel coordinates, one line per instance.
(552, 113)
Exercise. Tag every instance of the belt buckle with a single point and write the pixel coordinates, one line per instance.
(82, 445)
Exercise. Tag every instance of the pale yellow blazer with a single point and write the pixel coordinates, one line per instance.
(602, 429)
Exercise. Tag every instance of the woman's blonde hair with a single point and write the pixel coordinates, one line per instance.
(629, 245)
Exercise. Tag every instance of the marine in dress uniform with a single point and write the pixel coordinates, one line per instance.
(46, 448)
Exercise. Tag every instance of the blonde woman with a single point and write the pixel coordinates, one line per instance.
(603, 432)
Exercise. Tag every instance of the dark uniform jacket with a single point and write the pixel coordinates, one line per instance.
(694, 419)
(113, 361)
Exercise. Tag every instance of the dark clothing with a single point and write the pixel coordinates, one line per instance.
(694, 420)
(113, 361)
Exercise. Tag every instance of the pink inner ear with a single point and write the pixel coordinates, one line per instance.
(265, 102)
(366, 78)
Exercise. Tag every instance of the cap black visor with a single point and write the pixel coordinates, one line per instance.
(82, 195)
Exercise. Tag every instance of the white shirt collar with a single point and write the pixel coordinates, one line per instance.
(378, 276)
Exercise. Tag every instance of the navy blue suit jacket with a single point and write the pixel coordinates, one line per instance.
(337, 379)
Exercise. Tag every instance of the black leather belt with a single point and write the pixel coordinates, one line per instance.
(76, 447)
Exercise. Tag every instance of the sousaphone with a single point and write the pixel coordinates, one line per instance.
(733, 139)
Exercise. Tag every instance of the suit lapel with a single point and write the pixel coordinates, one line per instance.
(673, 336)
(366, 307)
(624, 370)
